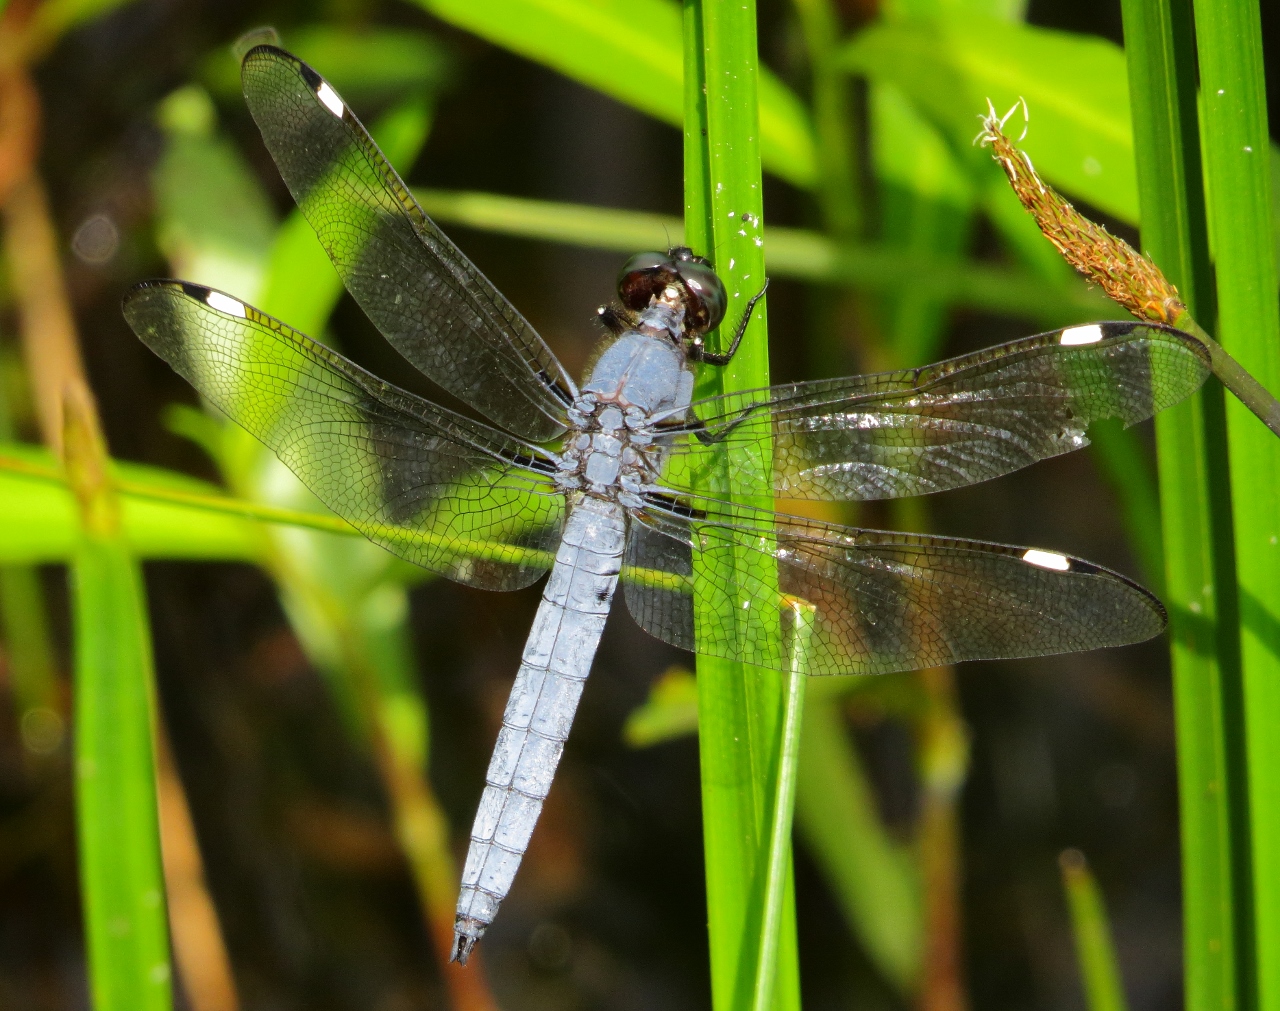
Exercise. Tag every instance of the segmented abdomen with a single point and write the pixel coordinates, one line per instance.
(557, 659)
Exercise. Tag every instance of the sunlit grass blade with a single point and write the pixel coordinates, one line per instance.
(1237, 184)
(792, 252)
(1099, 970)
(740, 710)
(630, 49)
(163, 514)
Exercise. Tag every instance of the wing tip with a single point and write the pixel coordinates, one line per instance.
(1078, 566)
(212, 297)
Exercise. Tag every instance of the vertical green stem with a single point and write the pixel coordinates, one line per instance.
(740, 709)
(1237, 184)
(1197, 524)
(778, 877)
(120, 868)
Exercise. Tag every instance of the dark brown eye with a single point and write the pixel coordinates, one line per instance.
(644, 276)
(707, 297)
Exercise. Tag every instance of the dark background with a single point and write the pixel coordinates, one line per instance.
(316, 904)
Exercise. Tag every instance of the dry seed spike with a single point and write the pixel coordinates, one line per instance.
(1126, 276)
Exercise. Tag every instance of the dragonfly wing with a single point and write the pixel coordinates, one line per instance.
(448, 493)
(882, 601)
(417, 287)
(948, 425)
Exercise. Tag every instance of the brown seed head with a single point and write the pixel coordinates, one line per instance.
(1127, 276)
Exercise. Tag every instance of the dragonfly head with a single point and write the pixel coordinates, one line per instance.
(679, 278)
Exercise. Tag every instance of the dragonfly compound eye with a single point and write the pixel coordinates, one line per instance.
(644, 276)
(707, 298)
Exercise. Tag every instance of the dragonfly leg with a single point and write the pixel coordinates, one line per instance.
(707, 436)
(726, 357)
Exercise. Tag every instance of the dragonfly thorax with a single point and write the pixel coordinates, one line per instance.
(610, 451)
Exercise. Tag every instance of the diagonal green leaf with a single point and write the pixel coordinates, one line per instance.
(630, 50)
(790, 252)
(874, 881)
(1099, 969)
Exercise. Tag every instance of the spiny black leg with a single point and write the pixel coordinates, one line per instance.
(727, 356)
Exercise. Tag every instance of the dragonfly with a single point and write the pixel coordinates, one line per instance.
(607, 483)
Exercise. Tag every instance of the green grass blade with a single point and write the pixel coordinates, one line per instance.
(1125, 464)
(740, 710)
(873, 878)
(1195, 508)
(630, 50)
(117, 818)
(120, 871)
(163, 514)
(1237, 184)
(1099, 970)
(792, 252)
(779, 898)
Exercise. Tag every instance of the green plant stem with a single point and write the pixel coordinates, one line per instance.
(1236, 159)
(117, 817)
(1241, 383)
(778, 877)
(1099, 970)
(740, 710)
(120, 867)
(1200, 586)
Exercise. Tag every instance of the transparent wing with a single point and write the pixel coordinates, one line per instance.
(428, 299)
(882, 601)
(948, 425)
(453, 495)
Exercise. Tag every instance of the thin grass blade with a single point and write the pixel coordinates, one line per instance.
(1237, 184)
(1099, 970)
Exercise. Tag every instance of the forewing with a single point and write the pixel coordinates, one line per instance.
(416, 286)
(881, 601)
(948, 425)
(438, 489)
